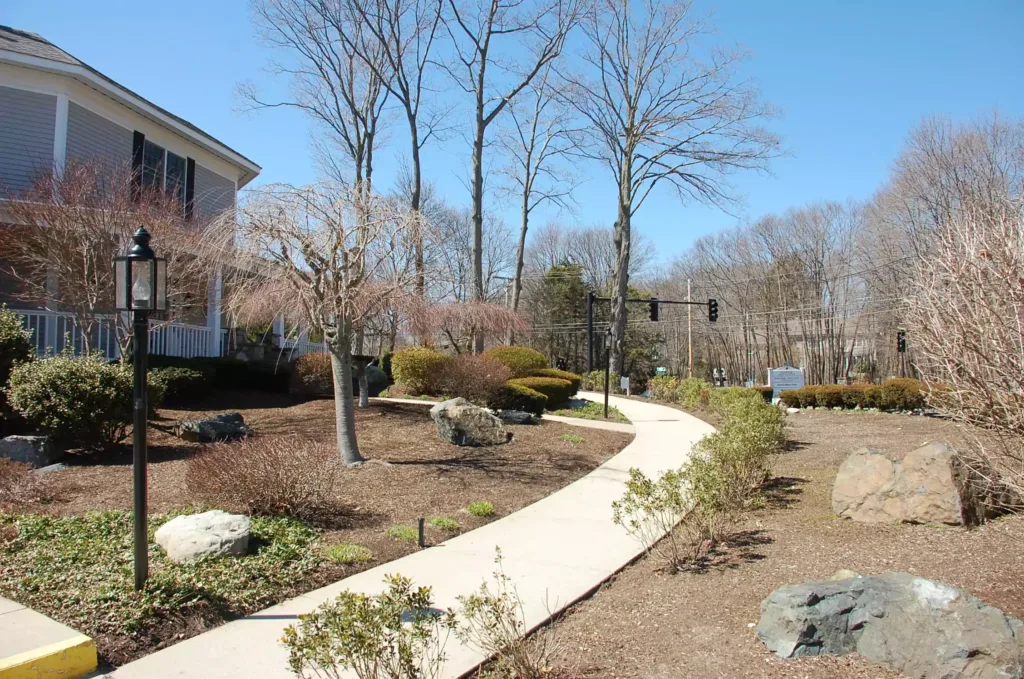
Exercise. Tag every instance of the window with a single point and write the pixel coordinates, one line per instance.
(175, 184)
(153, 165)
(157, 167)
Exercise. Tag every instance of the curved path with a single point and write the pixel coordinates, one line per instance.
(556, 551)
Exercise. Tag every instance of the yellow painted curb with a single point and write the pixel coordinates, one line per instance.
(68, 659)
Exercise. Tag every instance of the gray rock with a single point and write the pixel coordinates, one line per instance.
(515, 417)
(195, 536)
(34, 450)
(226, 427)
(918, 627)
(58, 467)
(460, 422)
(792, 411)
(930, 485)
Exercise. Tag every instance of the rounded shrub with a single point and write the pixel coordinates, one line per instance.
(179, 386)
(901, 394)
(663, 387)
(558, 391)
(312, 376)
(694, 392)
(517, 397)
(725, 398)
(417, 369)
(859, 395)
(829, 396)
(81, 402)
(15, 347)
(520, 360)
(572, 378)
(475, 378)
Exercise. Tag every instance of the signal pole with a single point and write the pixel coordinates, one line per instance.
(689, 331)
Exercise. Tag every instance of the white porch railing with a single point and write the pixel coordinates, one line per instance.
(54, 332)
(300, 347)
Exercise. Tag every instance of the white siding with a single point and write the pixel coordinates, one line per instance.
(214, 193)
(93, 138)
(27, 122)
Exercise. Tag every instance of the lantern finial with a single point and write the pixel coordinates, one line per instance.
(141, 249)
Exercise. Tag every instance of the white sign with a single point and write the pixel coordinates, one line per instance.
(624, 383)
(784, 379)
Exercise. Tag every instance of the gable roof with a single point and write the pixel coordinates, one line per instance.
(30, 49)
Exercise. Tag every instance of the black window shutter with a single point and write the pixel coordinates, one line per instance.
(190, 188)
(138, 146)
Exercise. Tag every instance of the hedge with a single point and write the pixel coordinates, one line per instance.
(15, 347)
(518, 397)
(892, 395)
(522, 361)
(417, 369)
(230, 374)
(179, 386)
(572, 378)
(558, 391)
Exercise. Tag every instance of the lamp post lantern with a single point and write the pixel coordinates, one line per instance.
(140, 280)
(607, 367)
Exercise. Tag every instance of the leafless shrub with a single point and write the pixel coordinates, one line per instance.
(19, 485)
(967, 322)
(282, 475)
(473, 377)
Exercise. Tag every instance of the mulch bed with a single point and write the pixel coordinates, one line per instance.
(649, 624)
(425, 477)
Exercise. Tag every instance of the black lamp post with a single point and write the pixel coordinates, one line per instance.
(140, 280)
(607, 367)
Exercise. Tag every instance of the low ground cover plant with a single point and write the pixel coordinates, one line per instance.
(78, 569)
(892, 395)
(573, 438)
(444, 523)
(521, 361)
(692, 506)
(267, 476)
(79, 402)
(403, 533)
(592, 410)
(481, 508)
(397, 634)
(348, 554)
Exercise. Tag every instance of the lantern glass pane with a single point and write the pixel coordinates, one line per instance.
(161, 284)
(142, 284)
(121, 284)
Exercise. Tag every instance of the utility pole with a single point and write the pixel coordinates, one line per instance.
(689, 330)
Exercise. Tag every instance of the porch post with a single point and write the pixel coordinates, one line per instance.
(213, 313)
(279, 330)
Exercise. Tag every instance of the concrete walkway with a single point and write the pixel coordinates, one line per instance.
(33, 645)
(556, 551)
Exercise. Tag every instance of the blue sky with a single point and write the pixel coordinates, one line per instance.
(850, 78)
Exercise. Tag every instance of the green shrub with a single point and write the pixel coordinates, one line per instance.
(694, 392)
(78, 402)
(804, 397)
(444, 523)
(722, 399)
(417, 369)
(15, 347)
(481, 508)
(348, 553)
(230, 374)
(403, 533)
(765, 392)
(901, 394)
(520, 360)
(179, 386)
(790, 398)
(517, 397)
(572, 378)
(663, 387)
(397, 634)
(829, 396)
(594, 381)
(385, 365)
(862, 395)
(558, 391)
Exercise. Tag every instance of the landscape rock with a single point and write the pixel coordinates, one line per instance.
(515, 417)
(226, 427)
(34, 450)
(918, 627)
(792, 411)
(929, 485)
(460, 422)
(195, 536)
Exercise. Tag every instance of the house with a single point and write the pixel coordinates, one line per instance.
(56, 109)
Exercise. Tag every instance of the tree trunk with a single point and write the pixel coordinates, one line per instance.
(620, 284)
(344, 412)
(517, 280)
(478, 220)
(414, 205)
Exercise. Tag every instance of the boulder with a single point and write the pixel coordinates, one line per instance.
(915, 626)
(34, 450)
(195, 536)
(460, 422)
(515, 417)
(929, 485)
(226, 427)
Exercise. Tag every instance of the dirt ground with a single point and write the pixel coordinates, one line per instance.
(425, 476)
(652, 625)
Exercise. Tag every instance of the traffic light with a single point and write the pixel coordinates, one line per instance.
(901, 341)
(653, 306)
(712, 310)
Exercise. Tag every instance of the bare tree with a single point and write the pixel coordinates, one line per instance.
(658, 114)
(590, 247)
(400, 38)
(325, 256)
(538, 136)
(484, 67)
(66, 231)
